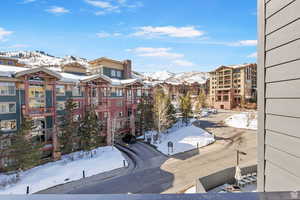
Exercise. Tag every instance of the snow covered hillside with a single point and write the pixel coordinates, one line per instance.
(69, 168)
(40, 58)
(184, 138)
(159, 75)
(189, 77)
(247, 120)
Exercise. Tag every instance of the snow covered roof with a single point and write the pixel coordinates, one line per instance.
(39, 69)
(11, 71)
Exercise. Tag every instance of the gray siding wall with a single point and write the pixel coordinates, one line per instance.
(279, 95)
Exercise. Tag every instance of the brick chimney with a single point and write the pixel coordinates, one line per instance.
(127, 69)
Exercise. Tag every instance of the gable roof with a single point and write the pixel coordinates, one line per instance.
(105, 59)
(39, 69)
(97, 76)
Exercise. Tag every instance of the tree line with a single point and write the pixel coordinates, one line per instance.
(24, 151)
(157, 113)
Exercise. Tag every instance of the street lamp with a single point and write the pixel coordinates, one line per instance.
(238, 156)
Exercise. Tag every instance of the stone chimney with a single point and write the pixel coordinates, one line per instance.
(127, 69)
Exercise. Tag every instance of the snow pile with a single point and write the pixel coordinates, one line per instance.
(247, 120)
(40, 58)
(191, 190)
(184, 138)
(69, 168)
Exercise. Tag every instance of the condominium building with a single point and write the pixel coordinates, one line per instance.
(232, 86)
(40, 94)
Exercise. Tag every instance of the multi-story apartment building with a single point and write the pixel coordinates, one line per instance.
(40, 94)
(231, 86)
(9, 61)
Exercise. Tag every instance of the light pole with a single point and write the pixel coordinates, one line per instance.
(238, 156)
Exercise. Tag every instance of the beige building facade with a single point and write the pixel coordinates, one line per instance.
(232, 86)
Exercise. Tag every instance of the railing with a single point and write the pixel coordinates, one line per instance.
(39, 111)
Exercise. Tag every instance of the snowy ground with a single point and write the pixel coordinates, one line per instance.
(191, 190)
(247, 120)
(69, 168)
(184, 138)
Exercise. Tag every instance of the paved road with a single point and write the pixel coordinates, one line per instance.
(152, 172)
(144, 176)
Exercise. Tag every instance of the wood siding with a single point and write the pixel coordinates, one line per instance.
(279, 95)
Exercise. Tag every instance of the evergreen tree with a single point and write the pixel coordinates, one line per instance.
(186, 107)
(170, 113)
(89, 131)
(68, 128)
(144, 115)
(24, 151)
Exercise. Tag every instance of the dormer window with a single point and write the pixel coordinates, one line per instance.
(113, 73)
(119, 74)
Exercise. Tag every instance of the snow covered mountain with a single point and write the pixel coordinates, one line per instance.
(40, 58)
(159, 75)
(189, 77)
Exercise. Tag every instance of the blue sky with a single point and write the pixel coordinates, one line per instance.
(187, 35)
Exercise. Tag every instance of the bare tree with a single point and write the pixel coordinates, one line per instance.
(160, 111)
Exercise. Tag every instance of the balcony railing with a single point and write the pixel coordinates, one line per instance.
(44, 111)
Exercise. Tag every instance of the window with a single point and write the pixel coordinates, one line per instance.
(60, 105)
(94, 92)
(36, 96)
(1, 62)
(7, 89)
(60, 90)
(76, 91)
(225, 98)
(120, 103)
(8, 125)
(7, 108)
(119, 92)
(113, 73)
(10, 62)
(105, 115)
(139, 92)
(120, 114)
(119, 74)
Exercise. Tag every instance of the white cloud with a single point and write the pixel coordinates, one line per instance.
(252, 55)
(106, 35)
(28, 1)
(101, 4)
(108, 6)
(18, 46)
(58, 10)
(244, 43)
(171, 31)
(4, 33)
(156, 52)
(183, 63)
